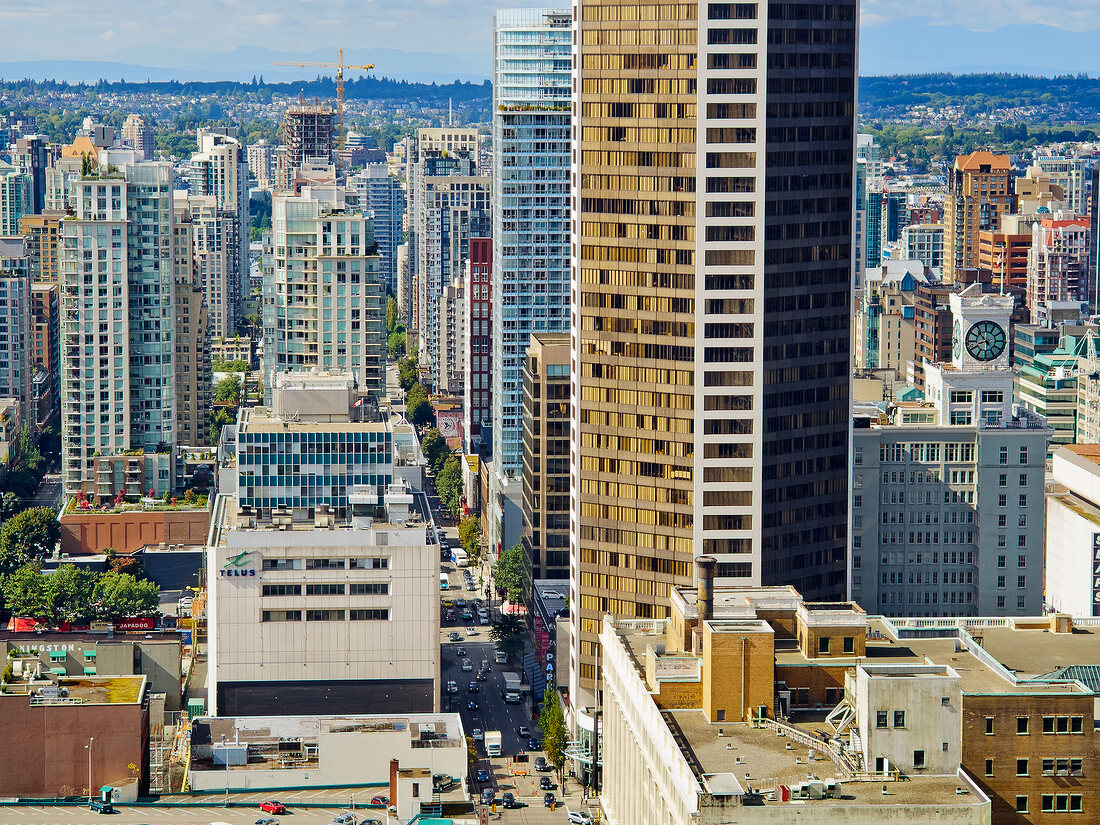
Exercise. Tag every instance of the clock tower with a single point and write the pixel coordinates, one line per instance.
(980, 329)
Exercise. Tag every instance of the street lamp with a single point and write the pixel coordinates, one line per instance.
(225, 756)
(88, 748)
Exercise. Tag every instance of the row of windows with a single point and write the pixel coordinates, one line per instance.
(379, 563)
(1051, 725)
(353, 589)
(1052, 803)
(360, 615)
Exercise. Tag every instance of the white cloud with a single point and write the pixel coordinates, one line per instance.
(984, 15)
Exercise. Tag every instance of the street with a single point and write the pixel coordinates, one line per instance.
(49, 492)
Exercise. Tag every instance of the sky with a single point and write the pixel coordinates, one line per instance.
(149, 32)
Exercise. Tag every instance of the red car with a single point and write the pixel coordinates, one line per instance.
(380, 800)
(273, 807)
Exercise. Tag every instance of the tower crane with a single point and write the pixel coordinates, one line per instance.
(339, 66)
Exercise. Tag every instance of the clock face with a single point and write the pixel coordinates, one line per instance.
(956, 340)
(985, 340)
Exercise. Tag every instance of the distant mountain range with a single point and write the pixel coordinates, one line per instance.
(896, 48)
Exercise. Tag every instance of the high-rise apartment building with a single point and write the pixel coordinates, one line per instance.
(309, 134)
(16, 351)
(711, 301)
(261, 163)
(546, 455)
(42, 233)
(1068, 172)
(1094, 241)
(885, 317)
(381, 195)
(451, 377)
(532, 62)
(213, 237)
(478, 386)
(1057, 263)
(192, 332)
(1004, 253)
(118, 317)
(137, 133)
(220, 169)
(923, 242)
(32, 156)
(323, 303)
(980, 191)
(15, 198)
(449, 203)
(46, 351)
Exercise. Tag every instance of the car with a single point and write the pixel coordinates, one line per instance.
(473, 687)
(273, 807)
(452, 687)
(450, 617)
(542, 765)
(579, 818)
(548, 800)
(483, 775)
(380, 799)
(483, 620)
(552, 594)
(481, 676)
(101, 807)
(460, 602)
(442, 782)
(484, 665)
(467, 665)
(509, 800)
(454, 637)
(269, 821)
(477, 734)
(470, 586)
(460, 651)
(471, 631)
(342, 819)
(534, 745)
(473, 705)
(466, 616)
(524, 732)
(546, 783)
(487, 796)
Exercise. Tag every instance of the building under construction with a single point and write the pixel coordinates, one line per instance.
(309, 133)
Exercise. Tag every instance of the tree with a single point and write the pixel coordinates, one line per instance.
(238, 365)
(396, 344)
(448, 483)
(552, 722)
(30, 459)
(71, 589)
(120, 594)
(418, 409)
(26, 536)
(408, 372)
(510, 575)
(219, 417)
(509, 632)
(28, 593)
(435, 448)
(469, 535)
(228, 390)
(391, 314)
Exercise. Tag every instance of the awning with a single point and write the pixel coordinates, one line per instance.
(89, 671)
(89, 654)
(57, 671)
(57, 655)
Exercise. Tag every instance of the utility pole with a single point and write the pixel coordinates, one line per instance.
(88, 748)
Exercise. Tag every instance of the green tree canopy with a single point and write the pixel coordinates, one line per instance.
(221, 365)
(418, 409)
(509, 632)
(228, 390)
(391, 314)
(510, 575)
(435, 448)
(72, 593)
(219, 417)
(448, 483)
(120, 594)
(469, 535)
(71, 589)
(28, 535)
(552, 721)
(408, 372)
(27, 593)
(396, 344)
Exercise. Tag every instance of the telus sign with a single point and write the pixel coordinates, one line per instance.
(237, 566)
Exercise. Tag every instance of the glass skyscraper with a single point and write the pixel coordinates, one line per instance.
(531, 112)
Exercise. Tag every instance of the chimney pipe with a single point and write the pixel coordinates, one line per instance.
(394, 767)
(704, 566)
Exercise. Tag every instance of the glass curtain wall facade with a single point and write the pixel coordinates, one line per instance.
(711, 288)
(532, 107)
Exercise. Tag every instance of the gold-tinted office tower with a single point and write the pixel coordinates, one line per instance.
(713, 152)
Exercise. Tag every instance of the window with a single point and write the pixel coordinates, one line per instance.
(1000, 601)
(324, 615)
(899, 718)
(278, 564)
(1075, 803)
(324, 564)
(880, 719)
(1075, 724)
(1001, 582)
(918, 759)
(324, 590)
(1002, 500)
(369, 564)
(1021, 767)
(1003, 458)
(1021, 802)
(962, 397)
(1002, 561)
(281, 616)
(1023, 499)
(370, 614)
(1022, 725)
(1048, 724)
(1048, 803)
(1002, 480)
(989, 726)
(281, 590)
(1023, 479)
(1023, 455)
(369, 589)
(823, 644)
(849, 644)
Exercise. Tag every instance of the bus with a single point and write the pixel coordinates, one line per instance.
(444, 582)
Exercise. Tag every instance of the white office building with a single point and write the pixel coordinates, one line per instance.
(531, 115)
(1073, 531)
